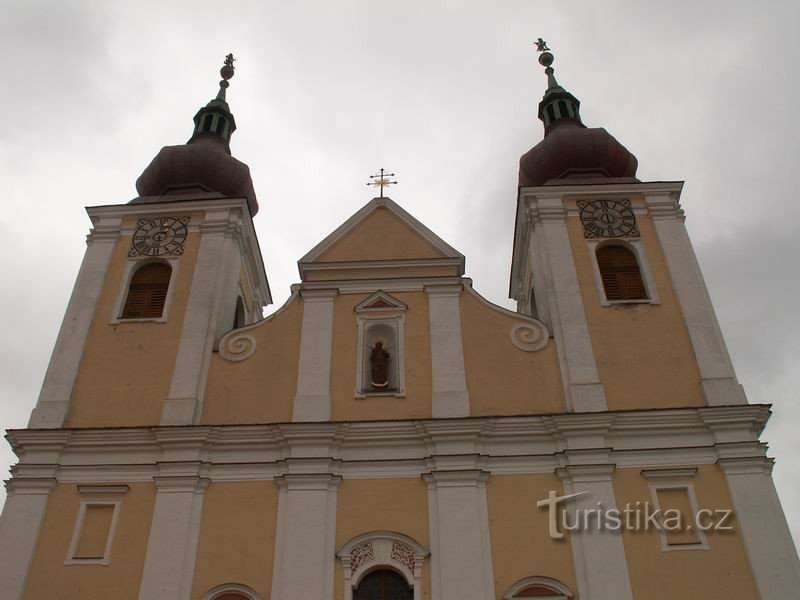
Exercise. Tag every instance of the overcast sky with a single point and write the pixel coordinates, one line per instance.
(442, 93)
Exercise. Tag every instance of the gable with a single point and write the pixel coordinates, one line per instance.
(381, 236)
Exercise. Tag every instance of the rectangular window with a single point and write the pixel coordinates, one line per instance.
(93, 534)
(677, 513)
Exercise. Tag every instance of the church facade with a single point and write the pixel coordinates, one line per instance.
(389, 434)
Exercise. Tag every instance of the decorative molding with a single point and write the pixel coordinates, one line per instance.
(237, 588)
(450, 397)
(529, 337)
(375, 549)
(133, 265)
(95, 495)
(239, 344)
(637, 248)
(546, 582)
(374, 204)
(702, 543)
(380, 301)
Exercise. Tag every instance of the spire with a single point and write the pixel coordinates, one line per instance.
(214, 122)
(558, 106)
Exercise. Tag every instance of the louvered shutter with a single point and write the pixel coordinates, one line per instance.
(619, 270)
(147, 293)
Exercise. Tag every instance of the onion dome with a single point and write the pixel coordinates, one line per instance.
(570, 150)
(204, 165)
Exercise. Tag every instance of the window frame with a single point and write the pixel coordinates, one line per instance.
(676, 479)
(95, 496)
(562, 592)
(132, 266)
(637, 248)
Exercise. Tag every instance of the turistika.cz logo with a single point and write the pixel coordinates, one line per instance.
(638, 516)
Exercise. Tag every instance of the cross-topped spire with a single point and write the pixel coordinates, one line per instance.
(381, 180)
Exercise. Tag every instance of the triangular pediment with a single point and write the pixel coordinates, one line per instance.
(380, 301)
(383, 235)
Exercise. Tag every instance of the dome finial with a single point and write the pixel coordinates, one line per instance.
(546, 60)
(226, 72)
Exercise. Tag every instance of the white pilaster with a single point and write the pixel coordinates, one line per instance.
(766, 535)
(53, 404)
(461, 556)
(450, 396)
(717, 377)
(218, 256)
(313, 399)
(174, 531)
(599, 556)
(584, 391)
(305, 548)
(20, 523)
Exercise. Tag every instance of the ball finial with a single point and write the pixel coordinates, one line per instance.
(227, 70)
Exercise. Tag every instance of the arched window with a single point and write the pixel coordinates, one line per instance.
(239, 318)
(147, 292)
(231, 591)
(383, 585)
(619, 270)
(542, 588)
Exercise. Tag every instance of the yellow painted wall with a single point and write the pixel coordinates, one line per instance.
(433, 270)
(260, 389)
(521, 546)
(126, 368)
(417, 356)
(721, 572)
(398, 505)
(644, 356)
(501, 379)
(382, 235)
(51, 579)
(237, 536)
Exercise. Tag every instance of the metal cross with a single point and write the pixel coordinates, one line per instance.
(381, 180)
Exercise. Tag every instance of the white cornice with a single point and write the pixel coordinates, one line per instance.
(368, 449)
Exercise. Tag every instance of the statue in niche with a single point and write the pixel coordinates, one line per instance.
(379, 362)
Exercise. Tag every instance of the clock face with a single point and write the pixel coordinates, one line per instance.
(608, 219)
(159, 237)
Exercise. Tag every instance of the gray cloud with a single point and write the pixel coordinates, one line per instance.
(442, 93)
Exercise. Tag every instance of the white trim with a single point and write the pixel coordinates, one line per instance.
(601, 569)
(174, 531)
(702, 543)
(635, 246)
(370, 207)
(392, 303)
(545, 228)
(71, 559)
(520, 585)
(133, 264)
(396, 322)
(54, 398)
(231, 587)
(305, 540)
(312, 401)
(20, 523)
(239, 344)
(449, 396)
(717, 377)
(459, 532)
(529, 335)
(379, 549)
(762, 526)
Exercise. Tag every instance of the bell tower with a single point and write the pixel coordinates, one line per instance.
(163, 278)
(604, 259)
